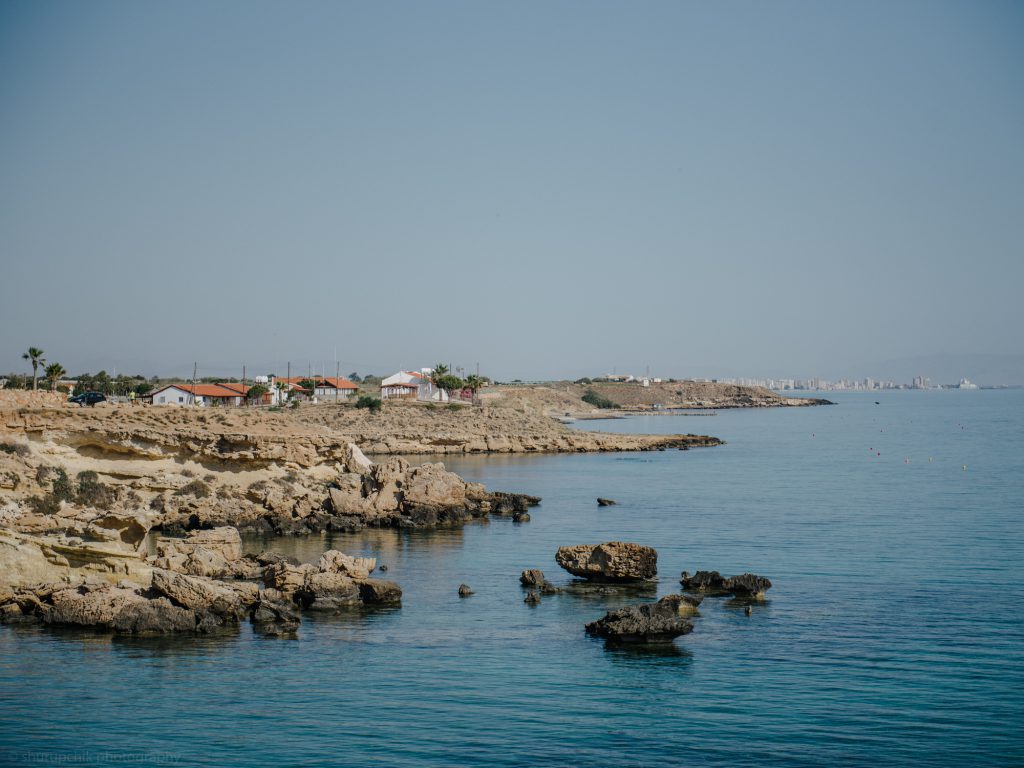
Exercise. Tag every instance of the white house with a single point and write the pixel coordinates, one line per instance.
(409, 384)
(197, 394)
(329, 387)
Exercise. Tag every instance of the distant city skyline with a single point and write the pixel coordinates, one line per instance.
(548, 189)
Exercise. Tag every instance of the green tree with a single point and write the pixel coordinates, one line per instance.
(448, 382)
(308, 384)
(256, 393)
(34, 356)
(54, 373)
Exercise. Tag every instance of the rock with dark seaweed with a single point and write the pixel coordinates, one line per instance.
(746, 586)
(659, 622)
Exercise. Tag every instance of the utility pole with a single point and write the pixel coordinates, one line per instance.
(288, 381)
(337, 376)
(195, 369)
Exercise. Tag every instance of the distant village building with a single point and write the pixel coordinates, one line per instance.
(324, 387)
(198, 394)
(412, 385)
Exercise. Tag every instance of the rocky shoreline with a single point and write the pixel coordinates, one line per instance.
(198, 584)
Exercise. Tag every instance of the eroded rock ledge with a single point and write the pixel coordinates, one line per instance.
(200, 584)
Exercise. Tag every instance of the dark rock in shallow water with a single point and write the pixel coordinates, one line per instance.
(532, 599)
(274, 618)
(521, 517)
(465, 590)
(327, 592)
(532, 577)
(503, 503)
(705, 582)
(606, 502)
(659, 622)
(535, 578)
(747, 585)
(121, 610)
(380, 592)
(611, 561)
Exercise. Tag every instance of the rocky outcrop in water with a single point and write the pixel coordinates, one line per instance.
(215, 553)
(337, 581)
(198, 584)
(659, 622)
(534, 577)
(611, 561)
(712, 583)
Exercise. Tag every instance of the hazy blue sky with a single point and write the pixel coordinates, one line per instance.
(546, 188)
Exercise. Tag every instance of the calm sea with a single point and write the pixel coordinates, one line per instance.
(894, 634)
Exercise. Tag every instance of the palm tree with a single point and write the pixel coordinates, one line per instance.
(437, 375)
(35, 356)
(54, 372)
(475, 383)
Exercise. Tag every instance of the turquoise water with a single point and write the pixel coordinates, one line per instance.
(894, 634)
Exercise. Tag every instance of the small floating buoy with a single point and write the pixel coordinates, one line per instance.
(929, 458)
(965, 467)
(878, 453)
(747, 610)
(906, 461)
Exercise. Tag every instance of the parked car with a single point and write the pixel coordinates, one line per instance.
(88, 398)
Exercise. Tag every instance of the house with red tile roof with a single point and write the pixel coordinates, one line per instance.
(400, 385)
(197, 394)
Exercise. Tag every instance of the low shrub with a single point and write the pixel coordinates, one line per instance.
(196, 488)
(371, 403)
(93, 493)
(44, 505)
(61, 487)
(15, 449)
(598, 401)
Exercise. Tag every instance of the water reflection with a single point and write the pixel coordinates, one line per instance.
(611, 593)
(644, 654)
(386, 544)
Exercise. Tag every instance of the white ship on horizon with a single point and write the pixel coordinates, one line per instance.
(967, 384)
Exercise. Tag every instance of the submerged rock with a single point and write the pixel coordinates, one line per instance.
(611, 561)
(533, 598)
(465, 590)
(659, 622)
(606, 502)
